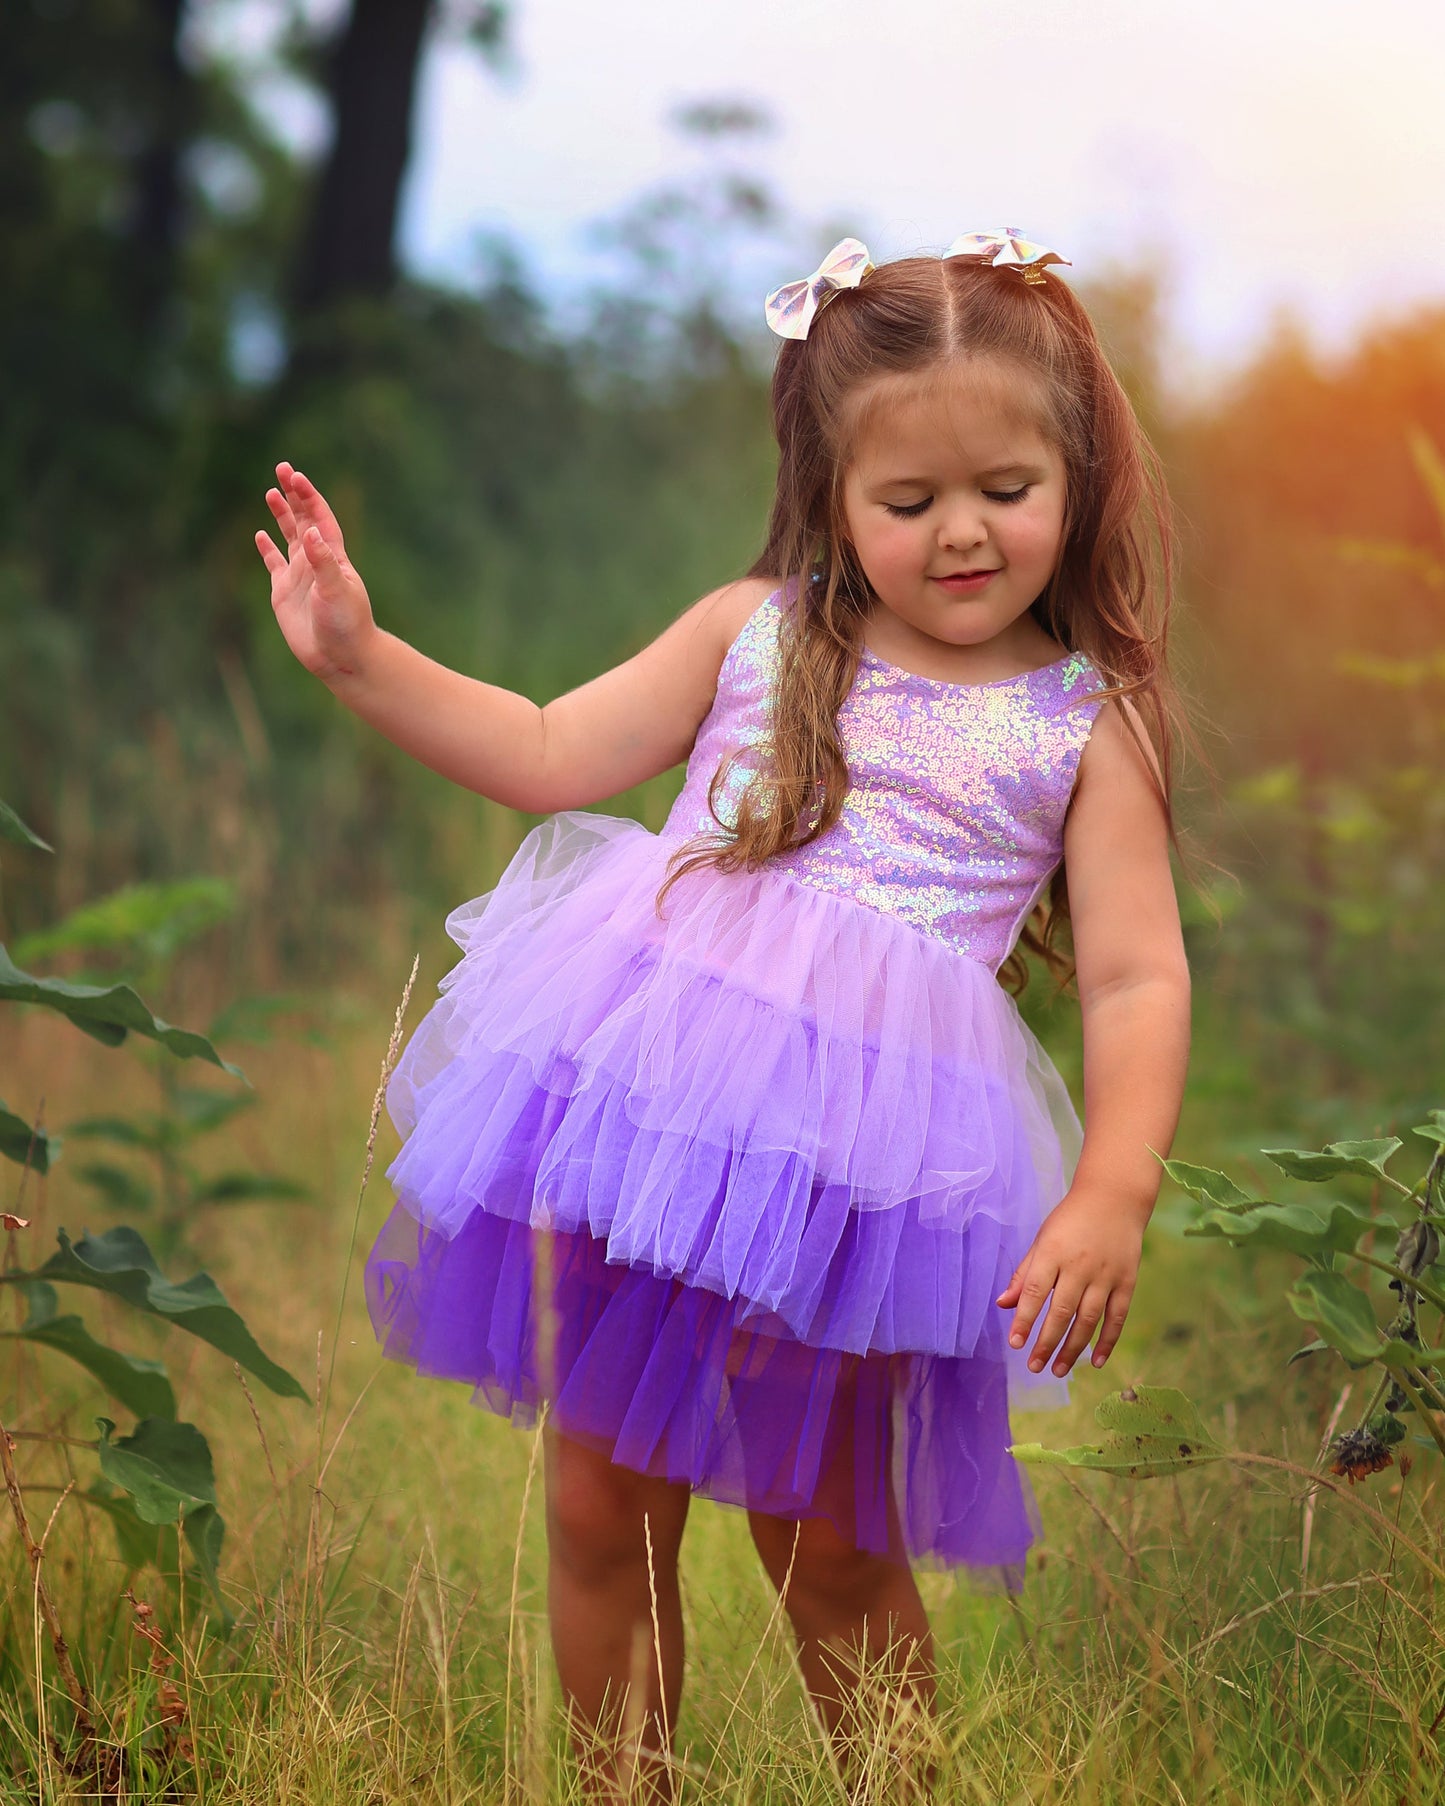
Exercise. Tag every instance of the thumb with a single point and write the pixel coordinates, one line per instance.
(1009, 1295)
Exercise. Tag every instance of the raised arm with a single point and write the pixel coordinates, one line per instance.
(629, 724)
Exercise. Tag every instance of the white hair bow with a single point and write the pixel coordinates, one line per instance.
(1008, 249)
(792, 308)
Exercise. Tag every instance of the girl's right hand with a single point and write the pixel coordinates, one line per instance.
(320, 602)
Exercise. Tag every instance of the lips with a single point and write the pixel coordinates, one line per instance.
(968, 579)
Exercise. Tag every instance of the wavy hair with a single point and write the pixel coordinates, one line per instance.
(1110, 595)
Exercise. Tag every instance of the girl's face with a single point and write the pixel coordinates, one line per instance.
(954, 503)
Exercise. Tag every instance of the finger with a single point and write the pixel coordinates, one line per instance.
(1091, 1308)
(325, 565)
(1037, 1284)
(1009, 1295)
(1118, 1310)
(271, 556)
(285, 519)
(313, 507)
(1058, 1320)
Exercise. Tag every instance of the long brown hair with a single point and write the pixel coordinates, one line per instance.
(1110, 594)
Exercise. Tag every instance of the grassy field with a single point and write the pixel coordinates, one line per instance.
(1233, 1634)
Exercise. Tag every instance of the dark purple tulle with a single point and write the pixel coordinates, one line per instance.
(904, 1453)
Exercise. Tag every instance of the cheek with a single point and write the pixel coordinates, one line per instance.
(1036, 540)
(889, 545)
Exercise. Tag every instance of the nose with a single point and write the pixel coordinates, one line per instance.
(961, 526)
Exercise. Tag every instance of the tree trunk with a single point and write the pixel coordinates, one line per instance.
(350, 248)
(156, 231)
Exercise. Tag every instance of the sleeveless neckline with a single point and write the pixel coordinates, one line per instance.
(868, 656)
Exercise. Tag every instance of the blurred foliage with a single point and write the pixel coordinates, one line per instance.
(532, 502)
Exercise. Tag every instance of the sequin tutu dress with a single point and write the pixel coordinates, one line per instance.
(735, 1187)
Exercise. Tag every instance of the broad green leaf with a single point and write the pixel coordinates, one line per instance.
(1345, 1316)
(26, 1145)
(205, 1530)
(1363, 1159)
(141, 1545)
(1208, 1186)
(251, 1019)
(157, 1546)
(1434, 1129)
(247, 1188)
(1154, 1430)
(195, 1113)
(1395, 1353)
(107, 1012)
(152, 920)
(163, 1465)
(1306, 1229)
(198, 1112)
(125, 1131)
(15, 830)
(141, 1386)
(120, 1262)
(124, 1190)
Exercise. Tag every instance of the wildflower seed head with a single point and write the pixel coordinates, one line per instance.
(1359, 1453)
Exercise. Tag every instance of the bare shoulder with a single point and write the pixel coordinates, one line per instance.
(726, 611)
(1118, 751)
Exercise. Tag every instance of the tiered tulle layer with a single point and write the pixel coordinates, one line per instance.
(905, 1453)
(791, 1150)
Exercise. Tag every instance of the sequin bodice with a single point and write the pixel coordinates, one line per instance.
(955, 816)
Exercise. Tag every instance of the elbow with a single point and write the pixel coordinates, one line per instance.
(1164, 976)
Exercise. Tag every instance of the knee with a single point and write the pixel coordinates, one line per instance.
(593, 1527)
(601, 1518)
(820, 1570)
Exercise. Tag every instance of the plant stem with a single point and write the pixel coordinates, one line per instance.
(1378, 1518)
(1374, 1404)
(393, 1048)
(71, 1442)
(1416, 1285)
(79, 1698)
(1427, 1417)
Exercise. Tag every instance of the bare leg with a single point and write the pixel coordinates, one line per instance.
(850, 1611)
(599, 1600)
(856, 1617)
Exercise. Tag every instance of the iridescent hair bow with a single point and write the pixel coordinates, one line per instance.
(1008, 249)
(792, 308)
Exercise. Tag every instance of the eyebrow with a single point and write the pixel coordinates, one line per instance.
(995, 470)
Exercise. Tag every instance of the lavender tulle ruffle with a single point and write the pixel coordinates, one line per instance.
(773, 1133)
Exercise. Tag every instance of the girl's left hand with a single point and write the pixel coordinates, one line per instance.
(1087, 1254)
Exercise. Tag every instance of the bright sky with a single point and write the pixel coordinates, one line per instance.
(1271, 152)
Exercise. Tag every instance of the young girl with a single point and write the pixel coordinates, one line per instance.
(729, 1142)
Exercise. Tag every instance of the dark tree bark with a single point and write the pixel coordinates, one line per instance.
(157, 226)
(350, 247)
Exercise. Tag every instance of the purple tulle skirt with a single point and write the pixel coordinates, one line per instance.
(734, 1188)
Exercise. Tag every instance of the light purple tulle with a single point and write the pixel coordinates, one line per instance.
(789, 1150)
(772, 1092)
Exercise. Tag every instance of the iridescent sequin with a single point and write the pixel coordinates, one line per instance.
(955, 817)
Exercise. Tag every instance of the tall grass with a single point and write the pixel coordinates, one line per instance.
(1242, 1634)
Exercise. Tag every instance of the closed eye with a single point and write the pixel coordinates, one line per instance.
(907, 510)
